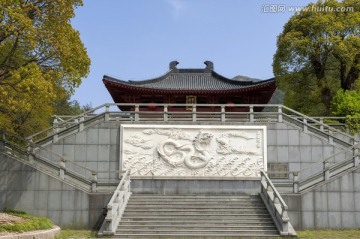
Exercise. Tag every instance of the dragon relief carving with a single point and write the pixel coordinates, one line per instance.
(225, 148)
(193, 156)
(198, 153)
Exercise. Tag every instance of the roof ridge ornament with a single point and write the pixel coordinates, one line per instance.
(209, 66)
(173, 64)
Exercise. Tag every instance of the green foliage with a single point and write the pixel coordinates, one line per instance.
(66, 106)
(318, 53)
(347, 103)
(353, 122)
(31, 223)
(42, 59)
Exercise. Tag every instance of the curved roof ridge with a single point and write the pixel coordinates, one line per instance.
(228, 80)
(135, 82)
(190, 79)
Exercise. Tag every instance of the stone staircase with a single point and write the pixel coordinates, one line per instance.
(187, 216)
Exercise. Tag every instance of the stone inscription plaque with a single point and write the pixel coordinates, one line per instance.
(193, 151)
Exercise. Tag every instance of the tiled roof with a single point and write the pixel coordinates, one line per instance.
(189, 79)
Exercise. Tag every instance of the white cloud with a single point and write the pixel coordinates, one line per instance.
(177, 6)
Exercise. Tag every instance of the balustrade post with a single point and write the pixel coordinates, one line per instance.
(296, 182)
(137, 109)
(81, 123)
(2, 140)
(305, 125)
(356, 156)
(166, 116)
(322, 124)
(263, 183)
(331, 138)
(194, 113)
(109, 219)
(280, 117)
(93, 181)
(251, 113)
(107, 112)
(326, 170)
(62, 168)
(55, 130)
(222, 113)
(30, 151)
(270, 192)
(285, 221)
(277, 205)
(55, 122)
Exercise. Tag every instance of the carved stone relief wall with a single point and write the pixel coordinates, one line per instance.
(193, 151)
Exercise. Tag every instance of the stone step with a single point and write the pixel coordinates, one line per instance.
(196, 227)
(187, 216)
(184, 202)
(197, 206)
(204, 232)
(198, 217)
(189, 235)
(199, 222)
(192, 196)
(180, 211)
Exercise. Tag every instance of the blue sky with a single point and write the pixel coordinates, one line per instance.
(136, 39)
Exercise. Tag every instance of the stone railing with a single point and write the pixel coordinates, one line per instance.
(276, 206)
(57, 166)
(322, 172)
(328, 173)
(116, 206)
(198, 113)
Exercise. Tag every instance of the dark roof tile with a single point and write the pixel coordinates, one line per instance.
(189, 79)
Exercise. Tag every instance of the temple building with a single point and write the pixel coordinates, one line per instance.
(190, 86)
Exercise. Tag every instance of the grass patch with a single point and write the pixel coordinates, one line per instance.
(76, 234)
(31, 223)
(328, 234)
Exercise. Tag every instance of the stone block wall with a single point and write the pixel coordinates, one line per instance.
(98, 148)
(302, 151)
(27, 189)
(332, 205)
(188, 186)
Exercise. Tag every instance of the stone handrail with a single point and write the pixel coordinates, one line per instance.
(32, 154)
(116, 206)
(63, 124)
(167, 112)
(310, 124)
(276, 206)
(351, 150)
(328, 173)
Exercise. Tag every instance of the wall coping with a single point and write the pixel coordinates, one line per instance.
(38, 234)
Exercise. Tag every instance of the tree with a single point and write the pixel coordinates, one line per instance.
(66, 106)
(322, 42)
(346, 103)
(42, 59)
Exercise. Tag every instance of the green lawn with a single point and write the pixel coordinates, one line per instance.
(329, 234)
(76, 234)
(31, 223)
